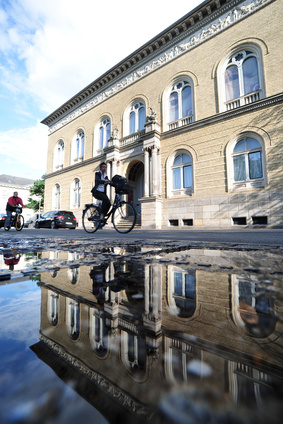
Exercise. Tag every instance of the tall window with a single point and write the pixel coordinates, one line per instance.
(242, 79)
(78, 146)
(104, 132)
(53, 307)
(182, 172)
(136, 117)
(185, 293)
(57, 197)
(180, 101)
(76, 193)
(73, 318)
(59, 155)
(247, 160)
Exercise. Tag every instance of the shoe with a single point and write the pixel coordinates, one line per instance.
(6, 228)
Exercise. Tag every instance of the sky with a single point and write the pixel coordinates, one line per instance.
(52, 49)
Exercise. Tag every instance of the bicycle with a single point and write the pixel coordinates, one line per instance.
(17, 220)
(123, 213)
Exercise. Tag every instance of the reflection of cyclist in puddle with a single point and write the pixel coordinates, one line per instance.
(12, 260)
(98, 276)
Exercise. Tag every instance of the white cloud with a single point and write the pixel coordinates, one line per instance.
(25, 146)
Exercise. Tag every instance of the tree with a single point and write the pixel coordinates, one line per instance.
(37, 190)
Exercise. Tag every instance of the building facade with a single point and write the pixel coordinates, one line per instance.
(193, 119)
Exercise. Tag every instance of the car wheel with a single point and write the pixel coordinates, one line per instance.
(36, 225)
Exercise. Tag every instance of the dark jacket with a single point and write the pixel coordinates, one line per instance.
(98, 181)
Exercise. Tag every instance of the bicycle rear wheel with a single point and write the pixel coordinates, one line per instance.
(91, 219)
(19, 222)
(124, 217)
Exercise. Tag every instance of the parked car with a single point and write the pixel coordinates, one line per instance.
(2, 219)
(57, 219)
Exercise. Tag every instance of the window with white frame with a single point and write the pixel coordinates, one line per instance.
(180, 174)
(104, 132)
(73, 318)
(178, 103)
(58, 162)
(247, 164)
(182, 292)
(78, 146)
(134, 118)
(56, 197)
(242, 77)
(76, 193)
(53, 307)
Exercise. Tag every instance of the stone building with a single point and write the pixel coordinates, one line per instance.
(193, 119)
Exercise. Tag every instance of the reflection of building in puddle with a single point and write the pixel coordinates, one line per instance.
(252, 308)
(134, 330)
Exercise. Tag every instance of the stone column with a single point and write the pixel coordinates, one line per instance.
(146, 172)
(155, 172)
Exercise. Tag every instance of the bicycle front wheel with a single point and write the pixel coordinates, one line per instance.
(19, 222)
(91, 219)
(124, 217)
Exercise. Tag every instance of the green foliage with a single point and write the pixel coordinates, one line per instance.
(36, 190)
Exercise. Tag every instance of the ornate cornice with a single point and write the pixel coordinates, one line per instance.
(113, 391)
(207, 20)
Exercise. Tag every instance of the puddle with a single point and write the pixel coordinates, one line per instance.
(141, 334)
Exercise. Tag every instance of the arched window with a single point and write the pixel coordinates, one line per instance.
(252, 309)
(58, 162)
(104, 132)
(137, 117)
(73, 318)
(180, 178)
(182, 292)
(78, 146)
(76, 193)
(247, 160)
(178, 102)
(56, 197)
(134, 117)
(98, 333)
(242, 78)
(53, 307)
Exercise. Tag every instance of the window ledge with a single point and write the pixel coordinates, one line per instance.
(248, 184)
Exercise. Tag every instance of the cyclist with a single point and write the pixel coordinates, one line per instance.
(12, 203)
(99, 190)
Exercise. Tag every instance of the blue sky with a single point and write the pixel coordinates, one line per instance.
(50, 50)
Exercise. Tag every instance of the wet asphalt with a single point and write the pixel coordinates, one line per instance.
(250, 238)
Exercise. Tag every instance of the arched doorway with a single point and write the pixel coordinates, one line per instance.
(136, 182)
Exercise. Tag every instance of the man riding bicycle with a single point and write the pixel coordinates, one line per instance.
(99, 189)
(12, 203)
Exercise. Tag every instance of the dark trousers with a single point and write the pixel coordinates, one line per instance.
(99, 195)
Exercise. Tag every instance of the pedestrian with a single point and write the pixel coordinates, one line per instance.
(12, 203)
(99, 190)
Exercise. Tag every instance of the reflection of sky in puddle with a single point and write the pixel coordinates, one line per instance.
(133, 336)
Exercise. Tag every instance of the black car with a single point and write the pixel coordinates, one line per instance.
(2, 219)
(57, 219)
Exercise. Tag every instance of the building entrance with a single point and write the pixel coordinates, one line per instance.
(136, 182)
